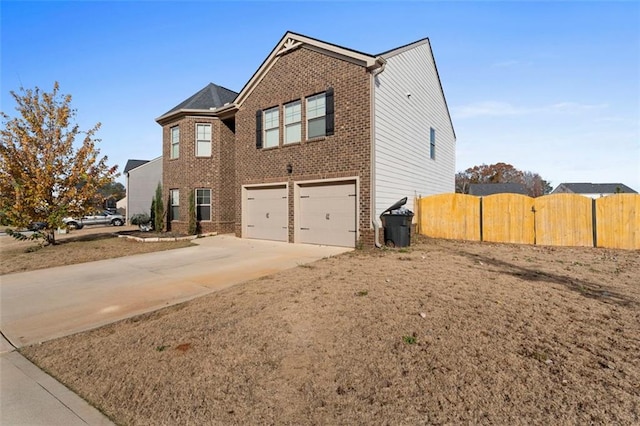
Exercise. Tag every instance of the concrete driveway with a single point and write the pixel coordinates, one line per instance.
(41, 305)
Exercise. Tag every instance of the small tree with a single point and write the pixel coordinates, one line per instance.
(501, 173)
(152, 215)
(193, 219)
(110, 194)
(43, 177)
(158, 205)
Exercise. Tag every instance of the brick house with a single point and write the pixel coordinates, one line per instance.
(317, 144)
(198, 155)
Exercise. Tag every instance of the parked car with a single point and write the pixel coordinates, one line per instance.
(100, 218)
(37, 226)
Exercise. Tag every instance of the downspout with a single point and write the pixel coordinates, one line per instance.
(374, 219)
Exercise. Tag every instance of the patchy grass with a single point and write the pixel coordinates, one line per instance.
(86, 245)
(465, 333)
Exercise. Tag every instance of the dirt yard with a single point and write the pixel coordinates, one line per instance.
(445, 332)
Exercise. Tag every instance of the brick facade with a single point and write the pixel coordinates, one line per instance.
(188, 172)
(297, 75)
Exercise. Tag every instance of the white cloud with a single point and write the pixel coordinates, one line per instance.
(488, 108)
(611, 119)
(574, 107)
(503, 109)
(505, 64)
(510, 63)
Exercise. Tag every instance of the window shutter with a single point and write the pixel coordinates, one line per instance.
(329, 111)
(259, 129)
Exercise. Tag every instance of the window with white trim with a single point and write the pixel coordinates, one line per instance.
(316, 116)
(432, 143)
(203, 204)
(271, 127)
(203, 140)
(175, 142)
(292, 122)
(174, 196)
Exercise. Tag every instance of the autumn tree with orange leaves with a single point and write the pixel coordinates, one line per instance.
(44, 177)
(502, 173)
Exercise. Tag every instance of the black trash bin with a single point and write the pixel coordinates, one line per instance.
(397, 225)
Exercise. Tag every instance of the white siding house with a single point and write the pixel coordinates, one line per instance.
(408, 103)
(142, 181)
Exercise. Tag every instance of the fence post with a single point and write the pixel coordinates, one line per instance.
(481, 224)
(416, 207)
(594, 223)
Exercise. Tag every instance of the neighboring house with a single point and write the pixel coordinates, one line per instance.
(484, 189)
(143, 177)
(593, 190)
(319, 142)
(121, 207)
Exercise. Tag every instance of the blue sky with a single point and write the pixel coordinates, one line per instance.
(550, 87)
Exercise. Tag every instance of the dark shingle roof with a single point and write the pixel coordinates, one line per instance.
(594, 188)
(211, 96)
(496, 188)
(132, 164)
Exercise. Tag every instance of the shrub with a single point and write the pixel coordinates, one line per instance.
(140, 219)
(193, 221)
(152, 215)
(158, 224)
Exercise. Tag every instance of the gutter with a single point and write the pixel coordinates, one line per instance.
(225, 110)
(381, 63)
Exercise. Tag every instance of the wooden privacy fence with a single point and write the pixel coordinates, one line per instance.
(555, 220)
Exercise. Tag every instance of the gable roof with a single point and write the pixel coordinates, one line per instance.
(291, 41)
(218, 101)
(482, 189)
(209, 97)
(132, 164)
(594, 188)
(401, 49)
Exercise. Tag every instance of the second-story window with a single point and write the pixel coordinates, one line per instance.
(292, 122)
(271, 127)
(316, 112)
(175, 142)
(203, 140)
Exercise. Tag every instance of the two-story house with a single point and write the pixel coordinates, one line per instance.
(198, 156)
(321, 140)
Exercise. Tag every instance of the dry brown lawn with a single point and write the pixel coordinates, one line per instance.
(445, 332)
(79, 246)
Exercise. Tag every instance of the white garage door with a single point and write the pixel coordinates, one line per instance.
(327, 214)
(266, 213)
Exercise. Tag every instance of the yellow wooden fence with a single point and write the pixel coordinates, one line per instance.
(564, 220)
(618, 221)
(437, 215)
(508, 218)
(556, 220)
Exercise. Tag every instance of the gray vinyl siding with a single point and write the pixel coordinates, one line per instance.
(141, 187)
(403, 167)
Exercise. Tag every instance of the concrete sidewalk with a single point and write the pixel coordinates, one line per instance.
(45, 304)
(28, 396)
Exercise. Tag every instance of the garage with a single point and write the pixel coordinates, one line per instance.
(326, 214)
(266, 213)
